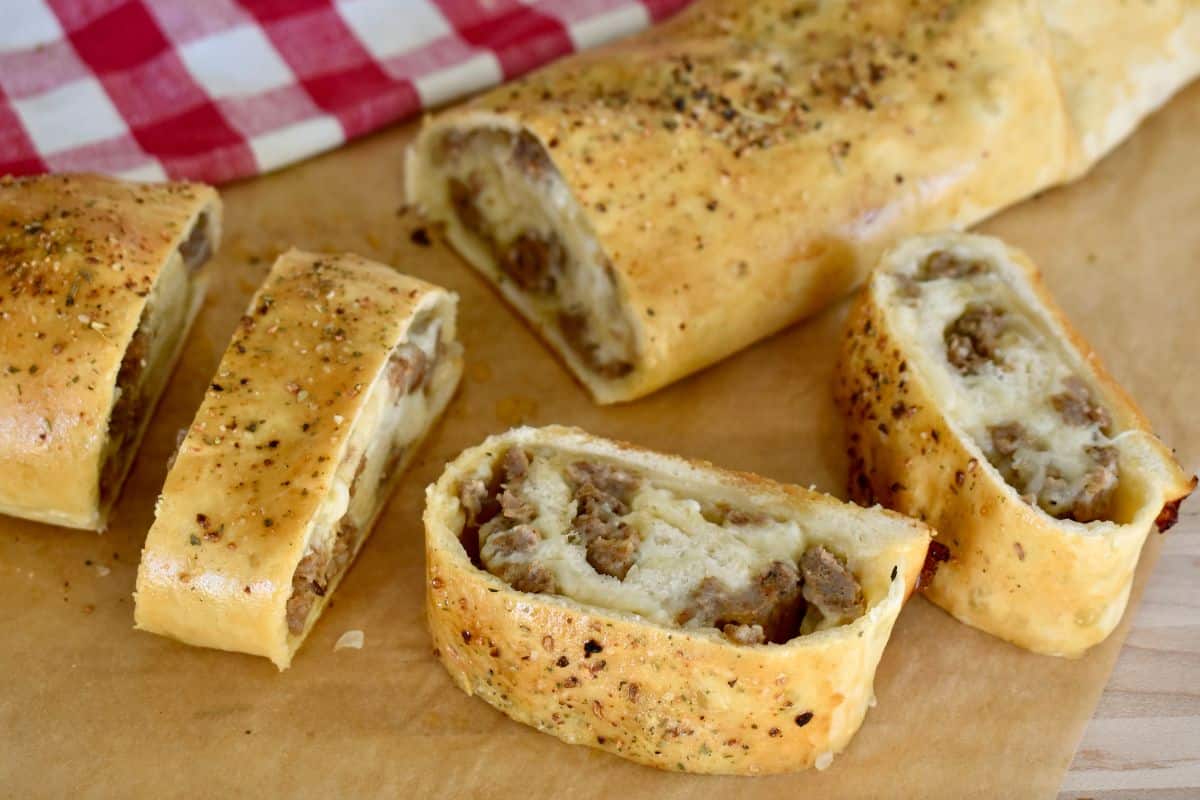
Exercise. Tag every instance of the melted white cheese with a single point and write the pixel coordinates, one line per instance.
(385, 422)
(1033, 369)
(513, 202)
(678, 549)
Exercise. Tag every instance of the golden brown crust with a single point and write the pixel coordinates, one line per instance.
(232, 521)
(1051, 586)
(79, 255)
(666, 697)
(744, 164)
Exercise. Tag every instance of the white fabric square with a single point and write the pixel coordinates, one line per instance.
(27, 24)
(151, 172)
(608, 26)
(481, 69)
(74, 114)
(239, 61)
(294, 142)
(387, 28)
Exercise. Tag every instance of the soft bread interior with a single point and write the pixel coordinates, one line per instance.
(677, 548)
(401, 405)
(507, 209)
(1006, 375)
(173, 301)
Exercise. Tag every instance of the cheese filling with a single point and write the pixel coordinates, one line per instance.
(1010, 384)
(146, 365)
(609, 536)
(507, 204)
(398, 409)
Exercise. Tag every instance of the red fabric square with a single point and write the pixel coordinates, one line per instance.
(268, 10)
(180, 140)
(521, 37)
(122, 38)
(661, 9)
(362, 98)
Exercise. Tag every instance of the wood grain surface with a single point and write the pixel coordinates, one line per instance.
(1144, 739)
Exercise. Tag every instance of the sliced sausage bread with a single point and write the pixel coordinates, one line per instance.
(972, 404)
(338, 370)
(661, 609)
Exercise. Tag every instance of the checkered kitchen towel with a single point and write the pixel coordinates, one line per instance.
(220, 89)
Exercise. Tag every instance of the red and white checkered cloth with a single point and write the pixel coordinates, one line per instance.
(220, 89)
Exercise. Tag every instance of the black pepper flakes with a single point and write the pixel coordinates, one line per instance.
(803, 719)
(590, 647)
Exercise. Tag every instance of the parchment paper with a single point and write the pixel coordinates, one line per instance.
(89, 707)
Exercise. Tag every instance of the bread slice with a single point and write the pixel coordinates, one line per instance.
(661, 609)
(337, 372)
(103, 279)
(971, 403)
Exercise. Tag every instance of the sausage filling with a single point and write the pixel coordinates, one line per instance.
(604, 534)
(505, 196)
(1033, 415)
(146, 364)
(394, 416)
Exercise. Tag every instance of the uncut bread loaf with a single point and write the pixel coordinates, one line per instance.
(972, 404)
(661, 609)
(335, 375)
(656, 205)
(100, 280)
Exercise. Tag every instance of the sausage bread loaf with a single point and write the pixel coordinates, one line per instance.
(654, 206)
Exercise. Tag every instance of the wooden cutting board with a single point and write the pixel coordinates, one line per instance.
(89, 707)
